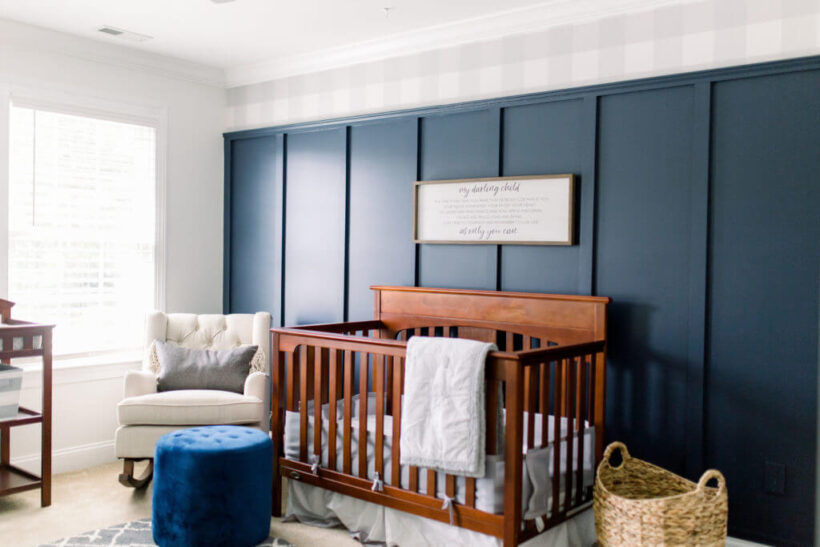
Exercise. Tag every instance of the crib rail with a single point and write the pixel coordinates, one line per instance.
(353, 327)
(320, 364)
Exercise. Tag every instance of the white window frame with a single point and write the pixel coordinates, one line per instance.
(66, 103)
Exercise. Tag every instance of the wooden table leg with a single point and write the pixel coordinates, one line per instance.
(5, 443)
(45, 492)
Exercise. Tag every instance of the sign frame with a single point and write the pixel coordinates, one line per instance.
(570, 207)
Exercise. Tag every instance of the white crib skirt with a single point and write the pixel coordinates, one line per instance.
(372, 523)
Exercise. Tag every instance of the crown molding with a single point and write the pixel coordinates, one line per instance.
(478, 29)
(15, 35)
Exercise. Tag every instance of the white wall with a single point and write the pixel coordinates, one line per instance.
(671, 38)
(192, 98)
(83, 420)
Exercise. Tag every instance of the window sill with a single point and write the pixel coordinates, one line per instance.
(121, 358)
(79, 361)
(87, 368)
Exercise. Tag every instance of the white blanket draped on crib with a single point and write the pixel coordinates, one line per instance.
(443, 418)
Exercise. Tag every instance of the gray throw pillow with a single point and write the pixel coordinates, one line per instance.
(184, 368)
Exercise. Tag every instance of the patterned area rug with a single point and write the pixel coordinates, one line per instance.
(136, 533)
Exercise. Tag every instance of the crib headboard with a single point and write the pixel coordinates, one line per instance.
(557, 318)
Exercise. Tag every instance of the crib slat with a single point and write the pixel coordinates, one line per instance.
(325, 364)
(347, 462)
(388, 382)
(510, 342)
(570, 413)
(491, 410)
(279, 400)
(378, 387)
(310, 351)
(470, 492)
(527, 383)
(431, 483)
(557, 408)
(303, 407)
(317, 403)
(395, 465)
(580, 427)
(529, 404)
(333, 396)
(364, 359)
(340, 383)
(592, 406)
(595, 448)
(599, 364)
(450, 486)
(290, 395)
(413, 473)
(543, 396)
(530, 342)
(530, 528)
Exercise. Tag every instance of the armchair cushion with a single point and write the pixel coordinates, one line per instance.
(190, 407)
(184, 368)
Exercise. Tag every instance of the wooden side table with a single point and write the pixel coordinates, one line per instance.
(24, 339)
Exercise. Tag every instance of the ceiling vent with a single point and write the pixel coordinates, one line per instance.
(124, 34)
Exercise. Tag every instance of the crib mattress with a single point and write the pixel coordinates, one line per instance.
(536, 496)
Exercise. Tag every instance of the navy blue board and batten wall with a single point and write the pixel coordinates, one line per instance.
(697, 207)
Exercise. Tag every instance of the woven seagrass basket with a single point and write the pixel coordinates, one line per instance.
(637, 503)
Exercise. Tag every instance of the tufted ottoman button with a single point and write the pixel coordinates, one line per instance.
(212, 486)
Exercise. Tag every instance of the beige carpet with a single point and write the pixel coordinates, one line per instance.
(91, 499)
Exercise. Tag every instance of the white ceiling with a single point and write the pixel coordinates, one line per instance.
(244, 32)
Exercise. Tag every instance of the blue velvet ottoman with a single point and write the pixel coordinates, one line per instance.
(212, 486)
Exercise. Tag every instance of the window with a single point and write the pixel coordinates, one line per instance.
(82, 227)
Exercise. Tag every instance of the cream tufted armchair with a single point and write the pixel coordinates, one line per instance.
(145, 414)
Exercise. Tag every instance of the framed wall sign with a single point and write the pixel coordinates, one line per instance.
(532, 210)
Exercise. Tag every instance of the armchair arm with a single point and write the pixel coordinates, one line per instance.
(139, 382)
(256, 385)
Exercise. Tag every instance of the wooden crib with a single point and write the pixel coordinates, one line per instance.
(551, 360)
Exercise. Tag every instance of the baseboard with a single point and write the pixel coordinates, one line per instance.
(72, 458)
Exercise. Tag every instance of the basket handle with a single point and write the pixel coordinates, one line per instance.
(617, 445)
(710, 474)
